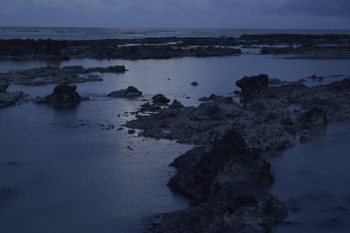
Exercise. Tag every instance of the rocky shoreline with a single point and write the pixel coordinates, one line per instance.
(226, 177)
(310, 46)
(56, 75)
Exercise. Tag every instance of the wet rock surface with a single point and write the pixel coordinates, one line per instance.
(228, 165)
(8, 99)
(317, 46)
(62, 94)
(57, 75)
(129, 92)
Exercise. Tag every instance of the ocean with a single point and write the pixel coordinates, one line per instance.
(60, 171)
(72, 33)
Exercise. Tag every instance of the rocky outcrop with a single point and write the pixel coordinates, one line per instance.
(129, 92)
(169, 47)
(226, 178)
(214, 179)
(8, 99)
(62, 94)
(57, 75)
(222, 215)
(229, 163)
(253, 87)
(160, 99)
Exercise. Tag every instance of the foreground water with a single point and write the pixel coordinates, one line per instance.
(61, 170)
(313, 180)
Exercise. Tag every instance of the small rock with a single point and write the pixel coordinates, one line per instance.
(131, 131)
(194, 83)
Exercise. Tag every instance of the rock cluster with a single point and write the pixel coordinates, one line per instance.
(8, 99)
(214, 181)
(226, 178)
(62, 94)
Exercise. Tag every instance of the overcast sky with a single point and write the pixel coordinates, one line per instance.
(265, 14)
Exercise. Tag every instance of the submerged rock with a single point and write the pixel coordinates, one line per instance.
(62, 94)
(130, 92)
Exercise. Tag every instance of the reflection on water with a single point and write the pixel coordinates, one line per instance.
(313, 180)
(58, 175)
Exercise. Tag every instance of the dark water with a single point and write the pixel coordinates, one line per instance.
(313, 180)
(59, 176)
(62, 171)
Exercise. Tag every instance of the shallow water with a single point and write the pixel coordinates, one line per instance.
(66, 177)
(313, 180)
(61, 171)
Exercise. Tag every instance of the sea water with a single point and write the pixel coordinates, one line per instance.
(62, 169)
(86, 33)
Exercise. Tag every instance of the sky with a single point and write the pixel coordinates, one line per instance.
(250, 14)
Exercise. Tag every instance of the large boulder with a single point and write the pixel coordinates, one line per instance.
(62, 94)
(129, 92)
(228, 164)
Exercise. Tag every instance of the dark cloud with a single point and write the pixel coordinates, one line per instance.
(334, 8)
(179, 13)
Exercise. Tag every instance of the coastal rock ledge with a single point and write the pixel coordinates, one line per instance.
(225, 177)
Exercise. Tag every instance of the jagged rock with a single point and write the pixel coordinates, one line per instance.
(160, 99)
(228, 163)
(313, 117)
(3, 88)
(109, 69)
(226, 215)
(252, 87)
(130, 91)
(62, 94)
(176, 104)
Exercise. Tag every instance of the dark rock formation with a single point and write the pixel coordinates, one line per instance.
(252, 87)
(176, 104)
(160, 99)
(228, 163)
(222, 215)
(62, 94)
(213, 180)
(3, 88)
(194, 83)
(8, 99)
(129, 92)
